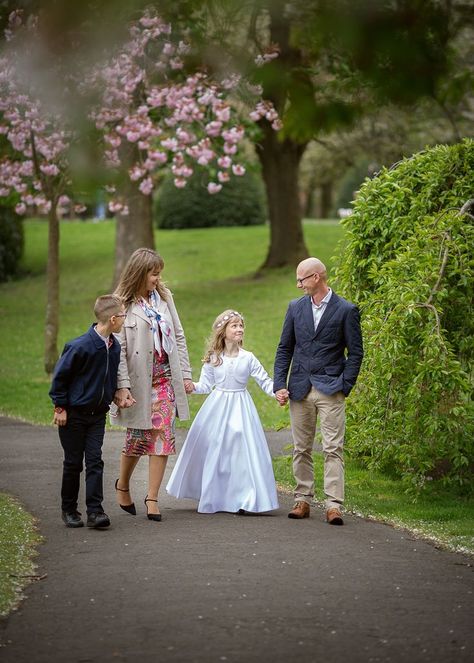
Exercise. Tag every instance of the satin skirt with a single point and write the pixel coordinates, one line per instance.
(225, 463)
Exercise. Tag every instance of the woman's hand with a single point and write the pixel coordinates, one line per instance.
(189, 386)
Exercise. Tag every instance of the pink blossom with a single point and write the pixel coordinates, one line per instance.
(212, 187)
(224, 162)
(223, 176)
(213, 128)
(229, 148)
(146, 187)
(20, 209)
(132, 136)
(49, 169)
(238, 170)
(179, 182)
(136, 173)
(222, 113)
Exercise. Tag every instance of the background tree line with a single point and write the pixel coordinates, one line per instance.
(356, 84)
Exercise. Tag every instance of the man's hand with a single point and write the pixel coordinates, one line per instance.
(282, 396)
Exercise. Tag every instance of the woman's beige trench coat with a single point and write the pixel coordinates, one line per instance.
(136, 361)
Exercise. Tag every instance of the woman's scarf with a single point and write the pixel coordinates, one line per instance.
(158, 324)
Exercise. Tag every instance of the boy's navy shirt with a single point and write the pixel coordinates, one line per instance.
(86, 372)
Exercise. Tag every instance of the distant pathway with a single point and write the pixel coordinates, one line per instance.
(224, 587)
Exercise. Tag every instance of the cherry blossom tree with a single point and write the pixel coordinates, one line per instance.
(34, 166)
(154, 114)
(151, 115)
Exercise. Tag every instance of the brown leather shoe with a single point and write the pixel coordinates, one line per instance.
(300, 510)
(334, 516)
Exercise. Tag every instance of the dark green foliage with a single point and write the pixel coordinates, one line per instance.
(11, 243)
(241, 202)
(409, 263)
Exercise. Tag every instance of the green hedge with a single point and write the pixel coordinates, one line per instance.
(11, 243)
(408, 261)
(241, 202)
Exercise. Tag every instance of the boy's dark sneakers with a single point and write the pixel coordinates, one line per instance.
(98, 520)
(72, 519)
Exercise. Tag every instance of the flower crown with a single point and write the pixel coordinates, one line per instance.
(227, 317)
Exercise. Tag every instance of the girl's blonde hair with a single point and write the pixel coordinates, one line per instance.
(134, 274)
(216, 342)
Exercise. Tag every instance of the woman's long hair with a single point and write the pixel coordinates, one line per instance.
(134, 275)
(216, 342)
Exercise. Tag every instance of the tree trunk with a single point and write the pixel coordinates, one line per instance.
(135, 229)
(326, 199)
(52, 293)
(280, 164)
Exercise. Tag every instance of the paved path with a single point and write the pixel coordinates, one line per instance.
(224, 587)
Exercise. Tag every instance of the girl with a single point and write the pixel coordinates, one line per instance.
(225, 463)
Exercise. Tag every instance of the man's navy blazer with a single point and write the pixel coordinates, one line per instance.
(328, 358)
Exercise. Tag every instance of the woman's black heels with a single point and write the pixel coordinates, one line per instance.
(129, 508)
(152, 516)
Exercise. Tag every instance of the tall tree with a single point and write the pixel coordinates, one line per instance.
(36, 140)
(155, 113)
(336, 60)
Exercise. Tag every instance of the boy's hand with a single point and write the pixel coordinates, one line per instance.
(60, 418)
(129, 402)
(123, 397)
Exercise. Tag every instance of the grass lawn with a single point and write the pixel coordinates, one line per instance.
(18, 538)
(208, 270)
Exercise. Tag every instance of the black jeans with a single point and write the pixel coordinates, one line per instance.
(82, 437)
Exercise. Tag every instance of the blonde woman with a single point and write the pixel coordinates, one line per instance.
(225, 464)
(154, 374)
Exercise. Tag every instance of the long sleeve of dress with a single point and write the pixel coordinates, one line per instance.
(206, 380)
(261, 376)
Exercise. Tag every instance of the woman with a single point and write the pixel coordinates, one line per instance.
(154, 375)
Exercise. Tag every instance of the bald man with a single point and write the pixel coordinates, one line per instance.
(322, 341)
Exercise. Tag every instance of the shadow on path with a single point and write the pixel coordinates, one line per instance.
(222, 587)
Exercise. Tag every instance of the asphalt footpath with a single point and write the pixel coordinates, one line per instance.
(223, 587)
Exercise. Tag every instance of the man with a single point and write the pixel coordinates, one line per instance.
(322, 341)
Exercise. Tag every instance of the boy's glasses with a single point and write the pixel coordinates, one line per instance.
(120, 315)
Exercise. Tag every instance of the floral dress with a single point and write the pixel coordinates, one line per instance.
(160, 439)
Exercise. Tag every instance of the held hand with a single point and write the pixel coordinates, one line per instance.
(60, 419)
(282, 396)
(189, 386)
(123, 397)
(129, 402)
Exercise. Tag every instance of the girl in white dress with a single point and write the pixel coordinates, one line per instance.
(225, 463)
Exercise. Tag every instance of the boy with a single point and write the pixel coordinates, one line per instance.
(83, 386)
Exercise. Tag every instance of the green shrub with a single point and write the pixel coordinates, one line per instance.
(11, 243)
(241, 202)
(409, 263)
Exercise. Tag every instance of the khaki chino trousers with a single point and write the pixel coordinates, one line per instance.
(304, 415)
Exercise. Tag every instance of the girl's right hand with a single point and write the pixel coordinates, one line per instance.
(189, 386)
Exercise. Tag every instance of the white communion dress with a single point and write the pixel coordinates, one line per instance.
(225, 463)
